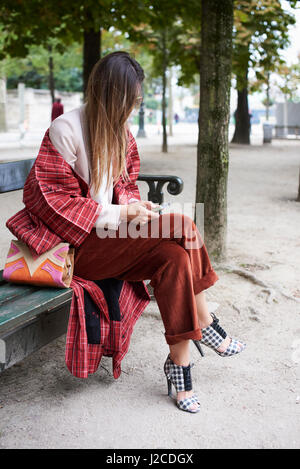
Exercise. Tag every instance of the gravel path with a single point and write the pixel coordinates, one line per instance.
(248, 401)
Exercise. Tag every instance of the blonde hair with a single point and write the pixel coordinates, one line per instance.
(113, 89)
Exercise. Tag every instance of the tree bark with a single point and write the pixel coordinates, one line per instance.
(141, 132)
(170, 102)
(242, 116)
(212, 152)
(3, 123)
(51, 75)
(164, 103)
(91, 53)
(268, 97)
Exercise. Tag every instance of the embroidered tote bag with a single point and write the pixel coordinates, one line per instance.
(53, 268)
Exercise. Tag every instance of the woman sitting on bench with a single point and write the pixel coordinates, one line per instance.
(129, 239)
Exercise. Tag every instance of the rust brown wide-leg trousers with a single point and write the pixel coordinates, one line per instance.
(169, 251)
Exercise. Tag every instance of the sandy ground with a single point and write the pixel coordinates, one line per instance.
(248, 401)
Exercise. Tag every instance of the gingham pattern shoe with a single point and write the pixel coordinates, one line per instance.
(180, 377)
(214, 335)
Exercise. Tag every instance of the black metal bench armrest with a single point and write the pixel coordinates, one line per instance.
(156, 183)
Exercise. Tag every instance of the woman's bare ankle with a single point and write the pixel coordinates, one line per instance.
(178, 360)
(180, 353)
(203, 323)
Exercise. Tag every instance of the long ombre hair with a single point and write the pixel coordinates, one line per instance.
(113, 90)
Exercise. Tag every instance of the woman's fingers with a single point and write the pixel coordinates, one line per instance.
(141, 212)
(149, 205)
(152, 214)
(144, 216)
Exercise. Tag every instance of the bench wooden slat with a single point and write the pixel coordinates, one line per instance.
(10, 291)
(20, 342)
(24, 308)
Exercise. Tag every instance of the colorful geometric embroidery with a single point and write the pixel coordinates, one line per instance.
(52, 268)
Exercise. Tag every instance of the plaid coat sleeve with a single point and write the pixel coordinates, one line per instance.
(55, 195)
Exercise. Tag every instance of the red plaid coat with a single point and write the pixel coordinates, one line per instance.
(59, 207)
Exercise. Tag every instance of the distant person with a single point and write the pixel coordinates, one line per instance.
(176, 117)
(57, 109)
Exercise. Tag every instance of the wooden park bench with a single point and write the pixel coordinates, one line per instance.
(31, 317)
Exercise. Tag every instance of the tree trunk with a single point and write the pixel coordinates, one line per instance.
(170, 103)
(51, 74)
(164, 104)
(141, 132)
(91, 53)
(3, 123)
(242, 116)
(212, 154)
(268, 97)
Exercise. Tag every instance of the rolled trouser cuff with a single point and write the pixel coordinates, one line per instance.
(191, 335)
(205, 282)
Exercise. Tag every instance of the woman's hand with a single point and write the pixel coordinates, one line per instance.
(139, 213)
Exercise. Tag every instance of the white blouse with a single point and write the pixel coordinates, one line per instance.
(68, 134)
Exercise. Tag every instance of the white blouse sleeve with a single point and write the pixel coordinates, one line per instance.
(109, 217)
(63, 137)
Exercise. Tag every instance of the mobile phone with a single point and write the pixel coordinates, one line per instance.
(161, 207)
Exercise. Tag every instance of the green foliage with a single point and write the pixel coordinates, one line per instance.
(260, 33)
(33, 70)
(28, 59)
(160, 33)
(158, 25)
(151, 103)
(35, 21)
(268, 102)
(290, 79)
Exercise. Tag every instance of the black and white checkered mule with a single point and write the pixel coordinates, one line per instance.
(214, 335)
(180, 377)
